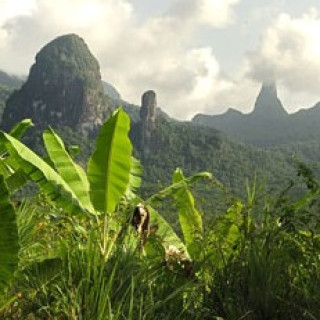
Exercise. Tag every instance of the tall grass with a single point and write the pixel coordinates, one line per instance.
(260, 260)
(103, 275)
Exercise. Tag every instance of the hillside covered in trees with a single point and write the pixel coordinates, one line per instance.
(64, 90)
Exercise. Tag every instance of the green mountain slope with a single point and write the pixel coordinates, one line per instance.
(197, 149)
(64, 90)
(269, 125)
(8, 84)
(5, 92)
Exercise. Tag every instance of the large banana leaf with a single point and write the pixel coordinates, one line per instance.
(109, 165)
(16, 180)
(39, 171)
(5, 170)
(71, 172)
(21, 128)
(166, 232)
(189, 217)
(9, 245)
(134, 178)
(17, 132)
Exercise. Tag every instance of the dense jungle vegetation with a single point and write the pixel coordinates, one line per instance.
(86, 245)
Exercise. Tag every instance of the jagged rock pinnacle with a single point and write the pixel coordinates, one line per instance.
(268, 104)
(148, 106)
(148, 118)
(63, 88)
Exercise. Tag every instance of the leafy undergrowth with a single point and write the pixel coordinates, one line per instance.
(88, 247)
(260, 260)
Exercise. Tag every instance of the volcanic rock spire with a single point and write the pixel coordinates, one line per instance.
(268, 104)
(63, 88)
(147, 118)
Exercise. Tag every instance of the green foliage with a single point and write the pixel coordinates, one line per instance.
(110, 169)
(50, 182)
(14, 179)
(225, 235)
(189, 216)
(165, 234)
(9, 245)
(259, 259)
(70, 53)
(5, 92)
(67, 168)
(19, 130)
(205, 149)
(134, 178)
(109, 165)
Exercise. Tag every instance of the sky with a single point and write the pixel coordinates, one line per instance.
(200, 56)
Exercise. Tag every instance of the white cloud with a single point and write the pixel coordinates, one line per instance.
(214, 13)
(26, 31)
(156, 53)
(217, 13)
(10, 9)
(289, 51)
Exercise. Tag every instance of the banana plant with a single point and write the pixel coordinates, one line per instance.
(108, 171)
(110, 164)
(112, 173)
(189, 217)
(13, 179)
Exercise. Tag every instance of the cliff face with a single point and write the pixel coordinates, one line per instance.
(63, 88)
(147, 120)
(268, 104)
(267, 124)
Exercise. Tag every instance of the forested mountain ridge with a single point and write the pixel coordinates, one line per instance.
(269, 124)
(8, 84)
(5, 93)
(64, 90)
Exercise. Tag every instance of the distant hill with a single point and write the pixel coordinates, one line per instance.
(8, 83)
(269, 124)
(111, 91)
(197, 149)
(164, 144)
(5, 93)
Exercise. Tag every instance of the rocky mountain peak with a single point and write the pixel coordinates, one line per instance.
(147, 120)
(63, 88)
(267, 104)
(148, 106)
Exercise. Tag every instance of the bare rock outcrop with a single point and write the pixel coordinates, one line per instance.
(148, 120)
(268, 104)
(63, 88)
